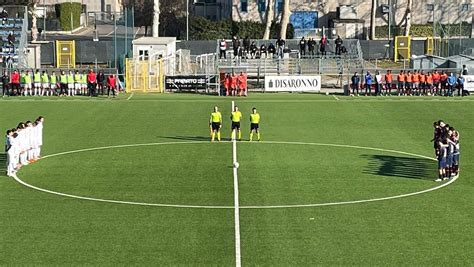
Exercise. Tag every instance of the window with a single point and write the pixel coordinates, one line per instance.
(143, 54)
(279, 6)
(262, 6)
(429, 7)
(243, 5)
(465, 7)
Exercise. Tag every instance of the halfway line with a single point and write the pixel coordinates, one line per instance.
(238, 261)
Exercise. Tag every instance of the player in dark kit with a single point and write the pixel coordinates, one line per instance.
(437, 135)
(456, 153)
(442, 158)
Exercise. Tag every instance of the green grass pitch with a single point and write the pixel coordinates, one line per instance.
(429, 229)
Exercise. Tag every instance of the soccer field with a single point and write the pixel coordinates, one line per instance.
(334, 181)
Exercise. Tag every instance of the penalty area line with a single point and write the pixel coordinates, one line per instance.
(130, 97)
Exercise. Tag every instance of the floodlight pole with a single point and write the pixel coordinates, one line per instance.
(72, 19)
(115, 35)
(389, 26)
(44, 19)
(434, 23)
(187, 20)
(126, 30)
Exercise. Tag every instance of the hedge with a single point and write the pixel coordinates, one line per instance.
(65, 11)
(425, 30)
(204, 29)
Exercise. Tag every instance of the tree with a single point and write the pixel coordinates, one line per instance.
(285, 18)
(408, 17)
(269, 19)
(172, 18)
(372, 19)
(143, 12)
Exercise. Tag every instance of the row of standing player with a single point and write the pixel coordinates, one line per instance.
(447, 150)
(44, 84)
(23, 145)
(234, 83)
(215, 124)
(409, 83)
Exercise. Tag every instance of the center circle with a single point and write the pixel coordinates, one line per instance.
(198, 174)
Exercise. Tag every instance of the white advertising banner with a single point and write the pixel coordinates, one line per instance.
(469, 83)
(293, 83)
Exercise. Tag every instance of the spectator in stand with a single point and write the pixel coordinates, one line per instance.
(263, 51)
(355, 84)
(388, 82)
(436, 80)
(401, 83)
(246, 43)
(378, 83)
(9, 62)
(242, 79)
(5, 84)
(236, 46)
(271, 50)
(338, 43)
(253, 50)
(302, 46)
(222, 49)
(91, 82)
(311, 44)
(281, 47)
(4, 16)
(368, 84)
(100, 83)
(322, 45)
(111, 85)
(451, 81)
(460, 85)
(464, 70)
(11, 39)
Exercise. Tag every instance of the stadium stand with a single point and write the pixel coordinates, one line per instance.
(13, 36)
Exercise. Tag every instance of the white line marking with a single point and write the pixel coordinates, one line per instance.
(248, 100)
(130, 97)
(335, 97)
(241, 207)
(238, 262)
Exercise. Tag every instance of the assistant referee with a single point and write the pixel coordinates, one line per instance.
(215, 122)
(254, 124)
(236, 116)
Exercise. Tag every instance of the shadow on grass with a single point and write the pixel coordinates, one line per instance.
(189, 138)
(402, 167)
(3, 164)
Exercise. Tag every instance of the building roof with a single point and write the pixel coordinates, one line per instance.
(154, 40)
